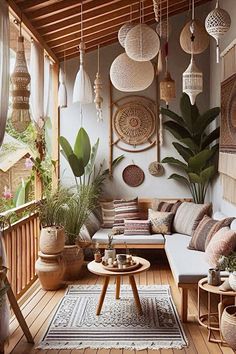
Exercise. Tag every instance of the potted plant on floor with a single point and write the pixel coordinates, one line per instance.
(198, 148)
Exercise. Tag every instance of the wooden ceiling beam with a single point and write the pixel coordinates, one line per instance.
(29, 4)
(109, 6)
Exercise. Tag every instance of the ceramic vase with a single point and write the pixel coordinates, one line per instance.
(73, 257)
(50, 270)
(110, 253)
(52, 240)
(232, 281)
(228, 326)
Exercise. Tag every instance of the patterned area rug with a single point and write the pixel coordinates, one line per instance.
(75, 324)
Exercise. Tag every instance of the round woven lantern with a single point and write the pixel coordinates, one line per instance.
(192, 81)
(142, 43)
(167, 88)
(201, 37)
(123, 31)
(217, 24)
(127, 75)
(20, 80)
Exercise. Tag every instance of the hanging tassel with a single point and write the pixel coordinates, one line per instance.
(160, 130)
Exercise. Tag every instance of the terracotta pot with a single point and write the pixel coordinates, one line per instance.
(232, 280)
(228, 326)
(52, 240)
(73, 257)
(50, 270)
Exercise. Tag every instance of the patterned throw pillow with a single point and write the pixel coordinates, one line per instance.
(124, 209)
(108, 214)
(161, 222)
(160, 205)
(221, 244)
(189, 215)
(137, 227)
(205, 231)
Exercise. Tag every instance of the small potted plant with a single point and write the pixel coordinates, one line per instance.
(228, 263)
(110, 252)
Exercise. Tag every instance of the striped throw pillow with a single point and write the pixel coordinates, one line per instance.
(161, 222)
(160, 205)
(124, 209)
(108, 214)
(205, 230)
(137, 227)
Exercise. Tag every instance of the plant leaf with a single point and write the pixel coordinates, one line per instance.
(185, 152)
(82, 147)
(174, 161)
(189, 142)
(66, 147)
(205, 119)
(214, 135)
(208, 174)
(199, 161)
(189, 112)
(194, 178)
(114, 164)
(179, 178)
(91, 164)
(177, 130)
(21, 195)
(76, 165)
(172, 115)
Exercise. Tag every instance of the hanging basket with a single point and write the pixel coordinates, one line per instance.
(142, 43)
(201, 37)
(127, 75)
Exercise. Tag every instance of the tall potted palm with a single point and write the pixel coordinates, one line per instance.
(197, 145)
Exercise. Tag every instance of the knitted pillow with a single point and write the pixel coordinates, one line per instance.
(108, 214)
(160, 205)
(161, 222)
(137, 227)
(205, 231)
(124, 209)
(221, 244)
(189, 215)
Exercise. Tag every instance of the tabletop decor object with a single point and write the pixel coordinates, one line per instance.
(228, 326)
(217, 23)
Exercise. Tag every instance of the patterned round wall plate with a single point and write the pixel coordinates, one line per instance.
(134, 123)
(133, 175)
(156, 169)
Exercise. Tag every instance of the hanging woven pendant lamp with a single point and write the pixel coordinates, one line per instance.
(98, 100)
(127, 75)
(20, 80)
(62, 91)
(123, 31)
(217, 23)
(192, 81)
(201, 41)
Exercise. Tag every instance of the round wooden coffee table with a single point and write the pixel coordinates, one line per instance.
(98, 269)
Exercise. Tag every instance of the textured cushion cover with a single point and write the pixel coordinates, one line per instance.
(160, 205)
(124, 209)
(205, 231)
(101, 237)
(161, 222)
(189, 215)
(92, 224)
(108, 214)
(221, 244)
(137, 227)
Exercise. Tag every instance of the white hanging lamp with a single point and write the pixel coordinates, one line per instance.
(62, 91)
(83, 92)
(98, 100)
(20, 80)
(192, 77)
(142, 43)
(128, 75)
(167, 85)
(217, 23)
(125, 28)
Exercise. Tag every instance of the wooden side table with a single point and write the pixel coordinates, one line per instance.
(98, 269)
(211, 320)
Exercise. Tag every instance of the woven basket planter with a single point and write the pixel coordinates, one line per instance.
(73, 258)
(228, 326)
(52, 240)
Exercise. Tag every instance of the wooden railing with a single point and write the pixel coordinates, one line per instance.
(21, 243)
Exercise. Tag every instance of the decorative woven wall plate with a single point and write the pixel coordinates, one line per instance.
(134, 123)
(133, 175)
(156, 169)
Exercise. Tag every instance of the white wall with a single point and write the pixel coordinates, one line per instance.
(215, 79)
(70, 117)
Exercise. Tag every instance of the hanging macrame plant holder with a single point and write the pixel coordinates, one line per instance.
(98, 100)
(20, 80)
(217, 23)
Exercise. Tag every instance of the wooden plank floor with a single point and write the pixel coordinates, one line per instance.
(40, 306)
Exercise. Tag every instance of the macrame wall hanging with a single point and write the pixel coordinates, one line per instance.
(98, 100)
(20, 80)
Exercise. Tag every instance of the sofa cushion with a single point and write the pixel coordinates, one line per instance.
(222, 244)
(161, 222)
(161, 205)
(188, 216)
(124, 209)
(101, 237)
(187, 266)
(108, 214)
(137, 227)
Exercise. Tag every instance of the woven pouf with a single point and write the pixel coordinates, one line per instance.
(228, 326)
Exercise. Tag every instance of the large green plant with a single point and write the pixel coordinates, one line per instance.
(197, 146)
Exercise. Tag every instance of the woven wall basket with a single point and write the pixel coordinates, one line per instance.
(201, 37)
(134, 123)
(127, 75)
(133, 175)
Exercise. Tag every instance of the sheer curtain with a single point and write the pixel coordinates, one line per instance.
(4, 306)
(4, 66)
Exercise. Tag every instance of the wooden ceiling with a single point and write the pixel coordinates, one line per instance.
(57, 23)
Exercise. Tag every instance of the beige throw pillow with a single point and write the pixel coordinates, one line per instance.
(161, 222)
